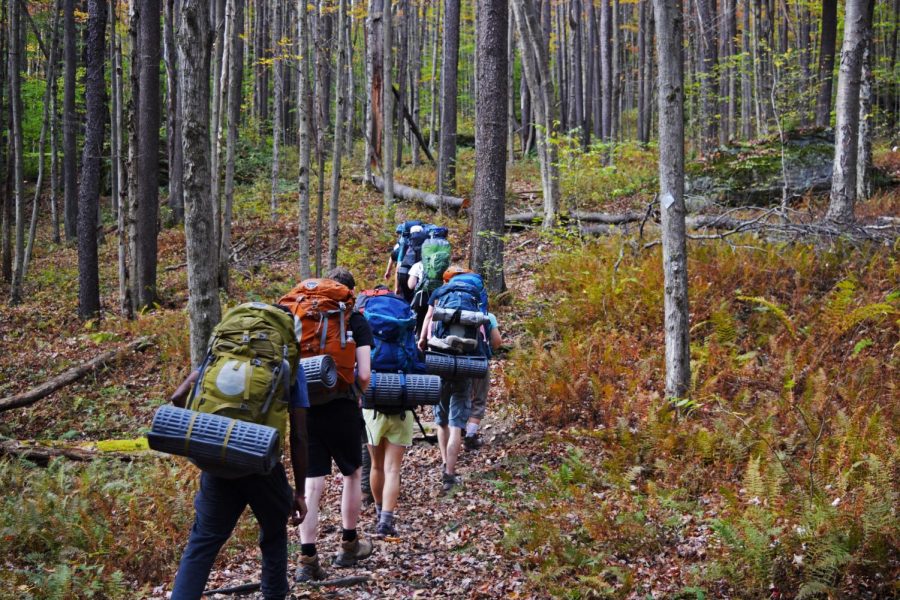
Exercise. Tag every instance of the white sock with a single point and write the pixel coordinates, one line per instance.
(471, 429)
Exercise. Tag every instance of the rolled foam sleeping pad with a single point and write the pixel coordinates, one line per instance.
(456, 367)
(251, 449)
(386, 390)
(321, 373)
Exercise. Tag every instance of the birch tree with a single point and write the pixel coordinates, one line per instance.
(303, 106)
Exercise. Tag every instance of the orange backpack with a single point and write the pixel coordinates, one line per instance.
(322, 309)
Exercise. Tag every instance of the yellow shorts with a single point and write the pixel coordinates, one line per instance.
(398, 429)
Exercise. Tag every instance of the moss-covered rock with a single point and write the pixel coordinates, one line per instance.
(751, 173)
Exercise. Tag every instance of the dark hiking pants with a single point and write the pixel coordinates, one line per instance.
(219, 505)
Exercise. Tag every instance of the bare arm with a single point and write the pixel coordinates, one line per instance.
(426, 328)
(299, 458)
(179, 396)
(387, 271)
(363, 367)
(496, 338)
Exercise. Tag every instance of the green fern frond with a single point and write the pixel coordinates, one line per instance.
(869, 312)
(753, 480)
(724, 325)
(773, 308)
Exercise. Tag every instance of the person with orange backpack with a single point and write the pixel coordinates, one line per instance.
(326, 323)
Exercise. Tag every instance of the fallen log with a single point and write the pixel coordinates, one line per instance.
(411, 194)
(69, 376)
(41, 454)
(534, 217)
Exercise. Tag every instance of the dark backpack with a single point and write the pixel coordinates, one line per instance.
(403, 234)
(412, 255)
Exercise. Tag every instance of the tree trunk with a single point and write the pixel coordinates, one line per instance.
(323, 31)
(89, 192)
(536, 65)
(71, 123)
(746, 70)
(303, 105)
(235, 97)
(846, 134)
(54, 154)
(278, 107)
(375, 85)
(339, 101)
(147, 173)
(194, 57)
(706, 19)
(119, 184)
(669, 50)
(489, 212)
(15, 103)
(511, 87)
(575, 13)
(432, 115)
(446, 177)
(45, 125)
(387, 99)
(402, 68)
(606, 67)
(864, 144)
(173, 119)
(827, 43)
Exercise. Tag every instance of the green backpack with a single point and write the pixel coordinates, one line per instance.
(435, 260)
(250, 366)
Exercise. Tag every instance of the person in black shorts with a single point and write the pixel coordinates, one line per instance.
(334, 435)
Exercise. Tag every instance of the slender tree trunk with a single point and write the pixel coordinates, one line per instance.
(323, 31)
(575, 12)
(374, 110)
(277, 70)
(536, 65)
(173, 119)
(54, 154)
(70, 127)
(746, 70)
(6, 157)
(193, 56)
(402, 67)
(387, 100)
(303, 105)
(511, 87)
(15, 103)
(339, 101)
(446, 179)
(606, 69)
(89, 193)
(706, 10)
(45, 125)
(432, 115)
(864, 144)
(843, 182)
(490, 144)
(827, 43)
(148, 155)
(235, 97)
(669, 50)
(219, 72)
(119, 182)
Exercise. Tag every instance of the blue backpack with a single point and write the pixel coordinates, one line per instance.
(436, 231)
(461, 295)
(393, 326)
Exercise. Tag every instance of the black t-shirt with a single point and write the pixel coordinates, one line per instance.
(362, 332)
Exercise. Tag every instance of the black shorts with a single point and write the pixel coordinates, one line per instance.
(334, 433)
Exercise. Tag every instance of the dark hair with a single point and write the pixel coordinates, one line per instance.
(342, 276)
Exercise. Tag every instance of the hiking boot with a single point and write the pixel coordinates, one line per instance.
(385, 530)
(309, 569)
(448, 482)
(353, 551)
(472, 442)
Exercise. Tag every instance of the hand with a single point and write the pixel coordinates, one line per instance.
(387, 275)
(423, 343)
(299, 509)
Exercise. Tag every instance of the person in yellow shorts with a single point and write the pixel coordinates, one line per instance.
(388, 438)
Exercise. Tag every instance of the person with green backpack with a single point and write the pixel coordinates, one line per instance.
(250, 373)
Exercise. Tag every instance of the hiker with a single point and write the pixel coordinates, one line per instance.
(389, 431)
(324, 316)
(427, 274)
(220, 501)
(409, 253)
(463, 290)
(480, 388)
(398, 252)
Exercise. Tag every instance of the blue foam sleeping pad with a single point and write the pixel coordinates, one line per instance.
(252, 449)
(456, 367)
(386, 390)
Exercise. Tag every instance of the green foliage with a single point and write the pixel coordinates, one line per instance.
(73, 531)
(788, 431)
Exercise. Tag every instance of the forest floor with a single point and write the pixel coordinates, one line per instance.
(581, 489)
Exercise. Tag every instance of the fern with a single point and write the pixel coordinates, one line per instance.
(773, 308)
(753, 480)
(869, 312)
(724, 325)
